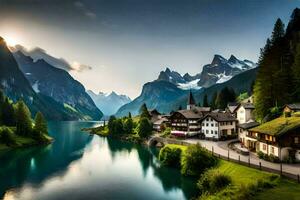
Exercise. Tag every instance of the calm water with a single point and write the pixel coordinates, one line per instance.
(80, 166)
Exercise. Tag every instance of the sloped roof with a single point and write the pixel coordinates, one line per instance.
(278, 126)
(190, 114)
(160, 121)
(294, 106)
(201, 109)
(232, 106)
(220, 117)
(248, 125)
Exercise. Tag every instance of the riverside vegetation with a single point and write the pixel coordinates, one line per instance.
(220, 179)
(133, 129)
(17, 128)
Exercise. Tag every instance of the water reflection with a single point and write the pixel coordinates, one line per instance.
(79, 166)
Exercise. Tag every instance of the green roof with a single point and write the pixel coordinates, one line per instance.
(278, 126)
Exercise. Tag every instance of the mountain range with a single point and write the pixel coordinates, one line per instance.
(109, 103)
(59, 85)
(218, 71)
(169, 90)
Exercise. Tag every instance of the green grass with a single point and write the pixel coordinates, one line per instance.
(183, 148)
(241, 174)
(286, 189)
(278, 126)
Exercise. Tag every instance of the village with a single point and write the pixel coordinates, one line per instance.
(276, 140)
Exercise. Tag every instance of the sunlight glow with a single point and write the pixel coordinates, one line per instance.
(11, 41)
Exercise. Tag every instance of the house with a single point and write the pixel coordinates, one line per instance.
(218, 125)
(244, 112)
(163, 121)
(184, 123)
(243, 132)
(231, 108)
(155, 115)
(291, 108)
(279, 137)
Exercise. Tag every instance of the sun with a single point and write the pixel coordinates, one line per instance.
(10, 41)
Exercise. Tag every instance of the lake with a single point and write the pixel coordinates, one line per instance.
(82, 166)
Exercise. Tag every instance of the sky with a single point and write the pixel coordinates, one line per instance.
(126, 43)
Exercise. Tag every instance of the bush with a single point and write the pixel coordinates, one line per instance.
(166, 132)
(7, 136)
(260, 154)
(170, 156)
(195, 159)
(212, 182)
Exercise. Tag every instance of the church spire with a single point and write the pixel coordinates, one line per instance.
(191, 101)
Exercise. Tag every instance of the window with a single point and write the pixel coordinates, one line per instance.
(272, 150)
(212, 125)
(203, 124)
(212, 132)
(216, 132)
(216, 124)
(206, 124)
(296, 140)
(264, 147)
(207, 131)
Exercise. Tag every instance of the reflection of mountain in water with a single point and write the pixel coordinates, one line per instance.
(33, 165)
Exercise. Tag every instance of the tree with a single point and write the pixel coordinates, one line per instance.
(8, 113)
(144, 113)
(23, 117)
(213, 100)
(278, 31)
(118, 127)
(40, 125)
(195, 160)
(128, 125)
(110, 123)
(129, 115)
(144, 127)
(205, 101)
(7, 137)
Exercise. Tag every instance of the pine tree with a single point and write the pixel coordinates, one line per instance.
(296, 75)
(278, 31)
(40, 125)
(129, 115)
(213, 101)
(205, 101)
(144, 127)
(144, 112)
(23, 117)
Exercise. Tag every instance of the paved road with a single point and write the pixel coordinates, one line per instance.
(221, 147)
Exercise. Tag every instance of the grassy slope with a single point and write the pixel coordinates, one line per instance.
(286, 189)
(242, 175)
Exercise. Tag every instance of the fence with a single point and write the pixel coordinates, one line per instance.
(258, 166)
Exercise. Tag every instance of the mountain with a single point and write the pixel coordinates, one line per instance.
(16, 86)
(166, 96)
(242, 82)
(59, 85)
(156, 94)
(218, 71)
(109, 103)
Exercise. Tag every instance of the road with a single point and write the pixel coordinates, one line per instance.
(221, 147)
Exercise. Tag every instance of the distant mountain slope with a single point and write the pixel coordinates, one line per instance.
(218, 71)
(109, 103)
(16, 86)
(58, 85)
(240, 83)
(156, 94)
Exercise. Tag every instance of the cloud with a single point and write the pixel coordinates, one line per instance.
(86, 11)
(38, 53)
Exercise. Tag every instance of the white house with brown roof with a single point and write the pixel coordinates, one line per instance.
(244, 112)
(218, 125)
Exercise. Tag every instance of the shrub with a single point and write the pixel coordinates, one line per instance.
(212, 182)
(195, 159)
(260, 154)
(166, 132)
(7, 136)
(170, 156)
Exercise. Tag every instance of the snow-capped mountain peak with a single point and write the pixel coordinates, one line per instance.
(218, 71)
